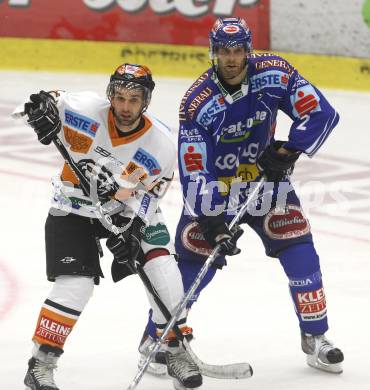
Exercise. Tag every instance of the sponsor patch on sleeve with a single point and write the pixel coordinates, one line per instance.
(82, 123)
(193, 158)
(304, 101)
(149, 162)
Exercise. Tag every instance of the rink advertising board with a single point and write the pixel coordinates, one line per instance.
(165, 60)
(185, 22)
(170, 36)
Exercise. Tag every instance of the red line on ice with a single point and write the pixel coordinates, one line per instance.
(11, 291)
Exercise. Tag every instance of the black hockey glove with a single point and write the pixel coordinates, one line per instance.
(276, 166)
(43, 116)
(216, 232)
(100, 178)
(126, 246)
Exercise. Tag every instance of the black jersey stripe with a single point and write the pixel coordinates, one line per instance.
(62, 308)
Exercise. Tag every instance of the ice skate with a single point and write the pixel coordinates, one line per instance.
(178, 386)
(321, 353)
(40, 375)
(158, 367)
(181, 367)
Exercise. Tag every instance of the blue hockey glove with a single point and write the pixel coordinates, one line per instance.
(276, 166)
(216, 232)
(43, 116)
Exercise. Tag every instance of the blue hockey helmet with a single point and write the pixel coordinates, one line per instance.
(229, 32)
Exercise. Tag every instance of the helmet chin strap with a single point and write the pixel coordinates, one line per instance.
(145, 107)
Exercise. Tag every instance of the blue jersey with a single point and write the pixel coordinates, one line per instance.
(221, 135)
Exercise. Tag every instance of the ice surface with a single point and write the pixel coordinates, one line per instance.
(245, 315)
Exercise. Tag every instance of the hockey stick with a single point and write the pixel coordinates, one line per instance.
(225, 371)
(85, 186)
(230, 371)
(241, 370)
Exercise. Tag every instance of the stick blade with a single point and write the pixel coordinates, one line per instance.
(227, 371)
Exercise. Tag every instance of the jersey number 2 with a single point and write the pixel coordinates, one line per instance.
(302, 126)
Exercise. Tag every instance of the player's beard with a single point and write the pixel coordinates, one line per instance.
(231, 71)
(122, 120)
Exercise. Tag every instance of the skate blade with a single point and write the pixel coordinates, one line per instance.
(335, 368)
(156, 369)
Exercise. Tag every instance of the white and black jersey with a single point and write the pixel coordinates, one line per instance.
(90, 135)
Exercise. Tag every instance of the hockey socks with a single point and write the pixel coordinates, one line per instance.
(54, 324)
(301, 265)
(61, 309)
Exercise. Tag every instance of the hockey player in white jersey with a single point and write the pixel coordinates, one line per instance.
(128, 157)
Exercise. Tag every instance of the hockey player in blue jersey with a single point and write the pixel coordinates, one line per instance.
(226, 143)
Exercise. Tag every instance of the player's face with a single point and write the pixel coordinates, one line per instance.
(231, 63)
(127, 107)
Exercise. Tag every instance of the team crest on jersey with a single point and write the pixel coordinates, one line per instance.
(81, 123)
(146, 160)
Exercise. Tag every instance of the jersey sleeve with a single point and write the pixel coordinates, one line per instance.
(61, 97)
(313, 117)
(200, 185)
